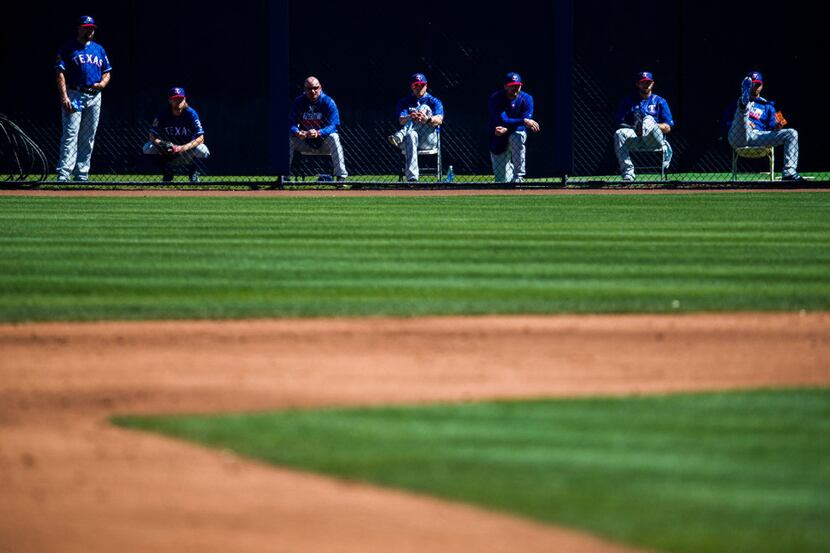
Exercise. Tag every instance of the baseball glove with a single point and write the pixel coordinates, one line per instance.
(167, 148)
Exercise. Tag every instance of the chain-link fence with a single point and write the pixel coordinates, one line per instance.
(484, 133)
(610, 148)
(452, 153)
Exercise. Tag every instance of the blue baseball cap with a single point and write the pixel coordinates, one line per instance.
(86, 21)
(417, 78)
(176, 92)
(513, 78)
(756, 77)
(644, 76)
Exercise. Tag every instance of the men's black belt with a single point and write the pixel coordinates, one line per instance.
(85, 89)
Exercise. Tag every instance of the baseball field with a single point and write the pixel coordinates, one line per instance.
(415, 371)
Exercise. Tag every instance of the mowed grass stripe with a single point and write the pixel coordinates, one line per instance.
(744, 472)
(132, 258)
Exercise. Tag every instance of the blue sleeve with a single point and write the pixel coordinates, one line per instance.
(665, 113)
(513, 123)
(60, 65)
(105, 66)
(333, 118)
(528, 111)
(438, 107)
(294, 117)
(401, 108)
(196, 125)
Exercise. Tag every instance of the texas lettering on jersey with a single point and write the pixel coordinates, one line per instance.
(82, 59)
(177, 129)
(311, 119)
(755, 114)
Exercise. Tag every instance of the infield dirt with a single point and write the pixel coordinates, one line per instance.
(72, 482)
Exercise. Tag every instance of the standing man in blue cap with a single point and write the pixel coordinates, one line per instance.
(644, 119)
(177, 136)
(420, 114)
(511, 116)
(755, 122)
(82, 71)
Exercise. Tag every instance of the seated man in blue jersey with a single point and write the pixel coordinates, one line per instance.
(755, 122)
(511, 116)
(644, 119)
(177, 137)
(314, 121)
(420, 114)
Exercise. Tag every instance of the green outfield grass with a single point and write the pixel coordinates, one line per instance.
(82, 258)
(738, 472)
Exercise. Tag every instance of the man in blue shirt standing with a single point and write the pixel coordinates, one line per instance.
(82, 71)
(511, 116)
(420, 115)
(755, 122)
(645, 120)
(314, 120)
(177, 136)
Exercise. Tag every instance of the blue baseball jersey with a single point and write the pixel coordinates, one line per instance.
(321, 115)
(761, 114)
(505, 112)
(412, 102)
(508, 113)
(82, 64)
(179, 129)
(654, 105)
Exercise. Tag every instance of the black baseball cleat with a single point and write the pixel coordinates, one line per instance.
(167, 176)
(795, 177)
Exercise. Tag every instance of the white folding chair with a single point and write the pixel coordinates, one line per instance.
(435, 151)
(753, 152)
(663, 151)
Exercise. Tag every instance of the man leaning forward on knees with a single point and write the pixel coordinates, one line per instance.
(644, 119)
(756, 123)
(314, 121)
(177, 137)
(510, 117)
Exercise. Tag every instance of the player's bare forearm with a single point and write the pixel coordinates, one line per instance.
(664, 127)
(102, 84)
(64, 97)
(61, 80)
(196, 142)
(436, 120)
